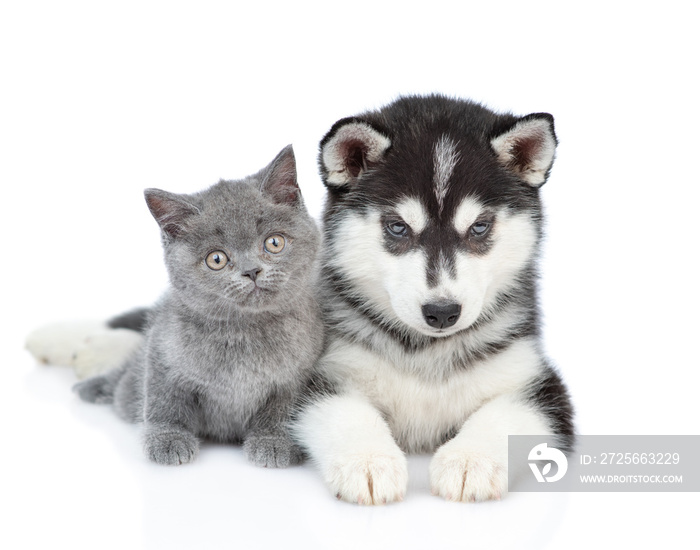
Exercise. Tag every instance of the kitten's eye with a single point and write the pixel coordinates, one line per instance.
(397, 228)
(275, 244)
(479, 229)
(216, 260)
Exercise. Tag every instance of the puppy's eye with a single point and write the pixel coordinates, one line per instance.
(275, 244)
(216, 260)
(397, 228)
(479, 229)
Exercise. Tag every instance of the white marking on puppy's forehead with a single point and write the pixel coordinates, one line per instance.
(445, 274)
(445, 157)
(466, 214)
(413, 213)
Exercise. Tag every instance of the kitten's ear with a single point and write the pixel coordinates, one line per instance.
(170, 210)
(279, 179)
(527, 148)
(349, 149)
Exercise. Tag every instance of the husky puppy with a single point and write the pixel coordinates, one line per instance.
(432, 227)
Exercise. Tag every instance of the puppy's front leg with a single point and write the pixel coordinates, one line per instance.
(473, 466)
(353, 447)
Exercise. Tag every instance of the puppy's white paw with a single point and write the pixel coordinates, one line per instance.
(104, 350)
(88, 346)
(468, 475)
(56, 344)
(369, 478)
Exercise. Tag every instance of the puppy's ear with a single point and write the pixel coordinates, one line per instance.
(279, 179)
(350, 148)
(527, 148)
(171, 211)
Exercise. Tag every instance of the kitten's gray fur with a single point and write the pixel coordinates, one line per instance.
(226, 352)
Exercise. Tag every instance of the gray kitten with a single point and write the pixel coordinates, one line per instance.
(231, 344)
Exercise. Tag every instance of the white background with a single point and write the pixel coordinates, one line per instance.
(101, 100)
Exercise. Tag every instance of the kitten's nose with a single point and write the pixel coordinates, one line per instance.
(252, 273)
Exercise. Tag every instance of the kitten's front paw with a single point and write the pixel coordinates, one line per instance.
(461, 474)
(170, 447)
(272, 451)
(370, 478)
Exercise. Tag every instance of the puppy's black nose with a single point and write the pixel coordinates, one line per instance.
(441, 315)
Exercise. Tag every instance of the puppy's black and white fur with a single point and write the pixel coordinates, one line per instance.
(432, 228)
